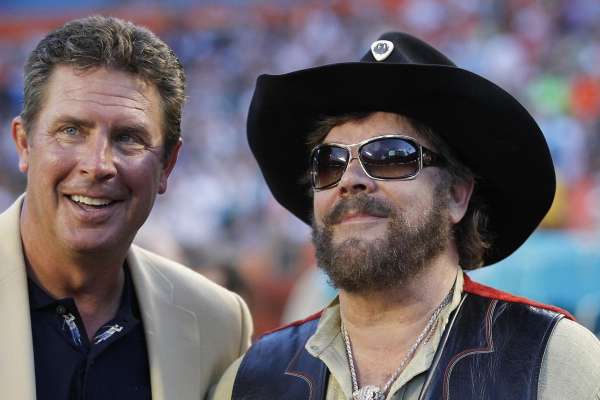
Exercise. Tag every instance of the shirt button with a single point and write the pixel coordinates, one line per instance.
(60, 309)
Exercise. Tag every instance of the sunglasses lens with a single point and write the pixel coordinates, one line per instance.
(390, 158)
(328, 165)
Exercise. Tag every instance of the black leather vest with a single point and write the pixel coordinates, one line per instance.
(490, 349)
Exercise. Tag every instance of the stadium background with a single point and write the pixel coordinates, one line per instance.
(218, 216)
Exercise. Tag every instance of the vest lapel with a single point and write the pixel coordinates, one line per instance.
(455, 347)
(289, 373)
(312, 371)
(492, 349)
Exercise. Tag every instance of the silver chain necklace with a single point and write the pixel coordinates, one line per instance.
(372, 392)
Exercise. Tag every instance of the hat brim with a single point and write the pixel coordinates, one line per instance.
(488, 129)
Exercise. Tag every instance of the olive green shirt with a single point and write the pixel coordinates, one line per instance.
(570, 368)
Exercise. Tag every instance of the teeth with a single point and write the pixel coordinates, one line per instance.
(90, 201)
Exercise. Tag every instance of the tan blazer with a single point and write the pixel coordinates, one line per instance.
(194, 328)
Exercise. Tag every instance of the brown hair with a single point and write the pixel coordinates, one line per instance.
(471, 234)
(109, 42)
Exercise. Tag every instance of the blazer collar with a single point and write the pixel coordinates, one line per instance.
(17, 368)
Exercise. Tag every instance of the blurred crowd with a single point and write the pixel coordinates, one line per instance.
(218, 215)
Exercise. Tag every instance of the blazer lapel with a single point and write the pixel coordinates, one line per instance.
(171, 332)
(17, 369)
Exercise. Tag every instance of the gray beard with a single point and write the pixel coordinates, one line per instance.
(360, 266)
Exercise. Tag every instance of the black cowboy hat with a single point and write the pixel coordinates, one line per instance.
(487, 128)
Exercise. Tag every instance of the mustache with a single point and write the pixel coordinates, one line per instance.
(361, 203)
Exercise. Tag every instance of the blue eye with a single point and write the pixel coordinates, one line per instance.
(129, 140)
(71, 131)
(125, 138)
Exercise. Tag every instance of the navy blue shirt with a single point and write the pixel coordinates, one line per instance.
(68, 366)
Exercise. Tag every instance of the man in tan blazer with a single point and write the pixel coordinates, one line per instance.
(86, 314)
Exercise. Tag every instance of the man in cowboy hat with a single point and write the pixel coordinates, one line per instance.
(410, 170)
(86, 314)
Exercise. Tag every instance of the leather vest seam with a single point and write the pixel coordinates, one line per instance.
(441, 346)
(298, 374)
(489, 348)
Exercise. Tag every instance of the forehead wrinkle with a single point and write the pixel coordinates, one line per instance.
(108, 104)
(138, 103)
(122, 96)
(138, 88)
(101, 93)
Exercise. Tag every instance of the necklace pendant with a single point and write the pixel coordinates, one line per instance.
(368, 392)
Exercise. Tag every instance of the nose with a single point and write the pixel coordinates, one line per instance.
(355, 179)
(97, 159)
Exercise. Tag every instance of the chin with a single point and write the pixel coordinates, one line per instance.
(92, 248)
(90, 242)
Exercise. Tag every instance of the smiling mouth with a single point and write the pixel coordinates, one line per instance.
(96, 202)
(359, 218)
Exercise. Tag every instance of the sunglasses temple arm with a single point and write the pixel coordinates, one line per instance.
(431, 158)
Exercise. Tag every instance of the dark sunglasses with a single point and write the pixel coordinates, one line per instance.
(381, 157)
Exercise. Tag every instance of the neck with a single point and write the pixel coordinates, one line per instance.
(72, 279)
(95, 281)
(384, 325)
(408, 301)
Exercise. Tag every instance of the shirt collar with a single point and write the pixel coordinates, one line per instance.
(38, 297)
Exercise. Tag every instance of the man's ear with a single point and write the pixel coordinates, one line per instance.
(460, 196)
(168, 166)
(22, 144)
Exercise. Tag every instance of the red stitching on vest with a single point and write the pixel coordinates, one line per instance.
(295, 323)
(489, 292)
